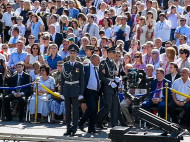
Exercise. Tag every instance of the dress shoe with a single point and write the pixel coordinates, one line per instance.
(73, 133)
(67, 133)
(81, 127)
(100, 126)
(93, 132)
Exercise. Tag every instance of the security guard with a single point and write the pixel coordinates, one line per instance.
(89, 52)
(107, 74)
(72, 85)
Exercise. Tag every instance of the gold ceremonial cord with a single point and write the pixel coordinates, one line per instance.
(51, 92)
(175, 91)
(166, 107)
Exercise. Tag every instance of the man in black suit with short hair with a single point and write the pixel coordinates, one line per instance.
(57, 37)
(20, 95)
(173, 72)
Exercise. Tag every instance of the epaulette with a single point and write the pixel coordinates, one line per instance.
(102, 63)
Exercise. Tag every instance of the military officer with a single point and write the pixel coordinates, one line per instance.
(107, 74)
(72, 85)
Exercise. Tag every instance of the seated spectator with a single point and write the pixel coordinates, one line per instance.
(158, 99)
(138, 64)
(17, 56)
(14, 39)
(53, 58)
(57, 105)
(31, 40)
(43, 95)
(155, 59)
(20, 95)
(36, 70)
(170, 57)
(20, 26)
(182, 85)
(150, 70)
(173, 75)
(183, 54)
(34, 56)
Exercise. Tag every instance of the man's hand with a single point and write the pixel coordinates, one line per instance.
(156, 100)
(104, 71)
(124, 34)
(128, 101)
(19, 95)
(15, 94)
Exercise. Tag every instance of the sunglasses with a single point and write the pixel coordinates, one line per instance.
(42, 70)
(35, 48)
(18, 19)
(5, 48)
(45, 39)
(153, 53)
(31, 38)
(137, 57)
(96, 50)
(181, 52)
(9, 7)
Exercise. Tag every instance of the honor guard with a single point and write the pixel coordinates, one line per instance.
(72, 85)
(89, 52)
(107, 74)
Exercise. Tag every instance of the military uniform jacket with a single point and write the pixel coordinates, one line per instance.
(69, 78)
(110, 69)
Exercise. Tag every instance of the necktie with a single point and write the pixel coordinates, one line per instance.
(18, 83)
(88, 28)
(97, 79)
(159, 85)
(45, 50)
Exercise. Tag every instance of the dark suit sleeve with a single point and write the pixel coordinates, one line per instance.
(102, 66)
(81, 80)
(27, 80)
(62, 83)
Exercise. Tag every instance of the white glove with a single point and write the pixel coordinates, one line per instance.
(80, 97)
(113, 85)
(62, 97)
(117, 79)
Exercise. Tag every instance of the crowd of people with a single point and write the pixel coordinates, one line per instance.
(83, 49)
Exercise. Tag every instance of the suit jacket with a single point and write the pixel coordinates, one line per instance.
(153, 87)
(70, 74)
(25, 79)
(162, 50)
(169, 77)
(165, 3)
(58, 39)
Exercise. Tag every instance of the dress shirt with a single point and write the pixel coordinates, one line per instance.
(163, 27)
(16, 57)
(182, 87)
(53, 36)
(81, 53)
(173, 18)
(63, 54)
(57, 27)
(118, 10)
(100, 15)
(93, 31)
(92, 83)
(185, 30)
(72, 63)
(173, 77)
(7, 18)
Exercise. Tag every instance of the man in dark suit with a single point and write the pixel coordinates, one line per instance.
(92, 85)
(19, 95)
(57, 37)
(72, 85)
(158, 45)
(173, 72)
(158, 99)
(107, 74)
(163, 4)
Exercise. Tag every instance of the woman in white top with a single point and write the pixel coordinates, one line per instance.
(116, 26)
(141, 30)
(150, 26)
(34, 56)
(22, 28)
(107, 27)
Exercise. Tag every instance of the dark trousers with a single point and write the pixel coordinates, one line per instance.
(6, 35)
(91, 98)
(20, 100)
(172, 34)
(72, 102)
(161, 107)
(171, 110)
(111, 105)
